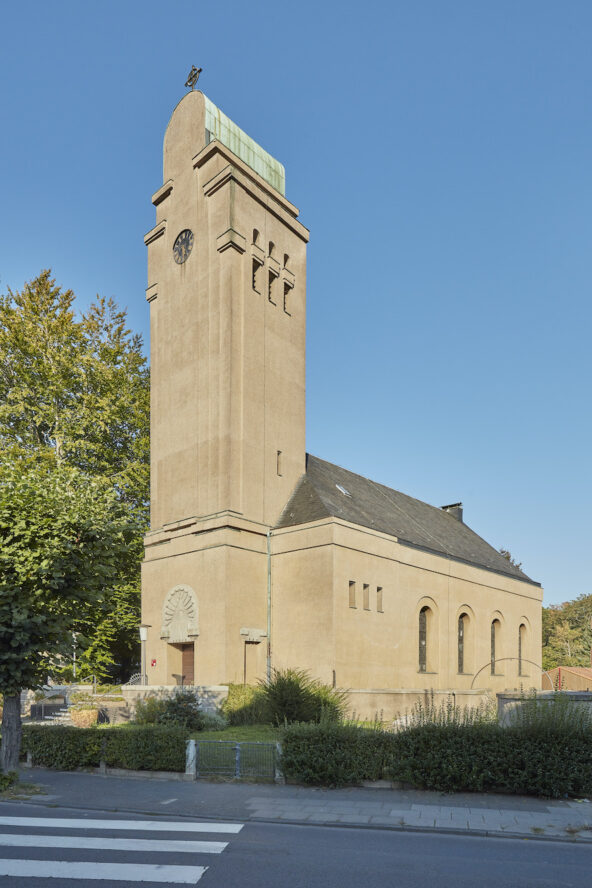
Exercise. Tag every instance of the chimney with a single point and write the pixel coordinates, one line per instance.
(456, 510)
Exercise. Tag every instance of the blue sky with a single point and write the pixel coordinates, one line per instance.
(440, 155)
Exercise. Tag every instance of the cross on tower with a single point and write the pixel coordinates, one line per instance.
(193, 76)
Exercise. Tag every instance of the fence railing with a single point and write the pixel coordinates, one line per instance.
(231, 759)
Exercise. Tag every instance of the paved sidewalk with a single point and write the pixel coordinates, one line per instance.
(372, 808)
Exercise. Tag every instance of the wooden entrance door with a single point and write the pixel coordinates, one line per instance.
(188, 663)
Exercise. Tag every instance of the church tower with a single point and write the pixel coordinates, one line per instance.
(226, 288)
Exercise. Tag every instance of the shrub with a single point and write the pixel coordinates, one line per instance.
(145, 748)
(62, 747)
(548, 752)
(446, 712)
(489, 758)
(244, 705)
(291, 695)
(181, 709)
(7, 780)
(149, 710)
(334, 755)
(211, 721)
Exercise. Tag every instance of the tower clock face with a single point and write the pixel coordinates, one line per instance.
(183, 246)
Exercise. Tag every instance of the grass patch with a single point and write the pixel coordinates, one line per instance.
(21, 791)
(241, 733)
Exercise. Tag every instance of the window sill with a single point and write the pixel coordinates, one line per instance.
(427, 672)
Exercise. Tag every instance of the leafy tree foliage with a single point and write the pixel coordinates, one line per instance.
(63, 539)
(74, 391)
(567, 633)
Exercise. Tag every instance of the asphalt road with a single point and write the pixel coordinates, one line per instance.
(47, 848)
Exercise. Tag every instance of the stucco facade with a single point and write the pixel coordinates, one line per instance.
(250, 562)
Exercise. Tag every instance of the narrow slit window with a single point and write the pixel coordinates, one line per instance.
(255, 236)
(286, 260)
(366, 597)
(521, 646)
(256, 267)
(271, 248)
(270, 287)
(352, 593)
(423, 639)
(495, 628)
(379, 599)
(287, 289)
(279, 462)
(462, 621)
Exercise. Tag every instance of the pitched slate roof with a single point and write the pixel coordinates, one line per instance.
(319, 494)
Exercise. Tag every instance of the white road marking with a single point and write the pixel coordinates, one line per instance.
(140, 825)
(169, 801)
(124, 872)
(105, 843)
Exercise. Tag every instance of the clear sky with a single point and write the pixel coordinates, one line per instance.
(440, 154)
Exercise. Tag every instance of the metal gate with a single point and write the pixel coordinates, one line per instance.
(227, 758)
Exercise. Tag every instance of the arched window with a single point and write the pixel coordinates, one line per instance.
(521, 647)
(423, 638)
(255, 236)
(271, 248)
(495, 633)
(286, 260)
(463, 622)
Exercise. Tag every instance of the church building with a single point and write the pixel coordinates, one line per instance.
(260, 555)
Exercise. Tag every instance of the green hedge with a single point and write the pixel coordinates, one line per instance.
(447, 758)
(139, 748)
(334, 755)
(488, 758)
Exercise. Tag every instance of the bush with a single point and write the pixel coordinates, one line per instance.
(148, 748)
(489, 758)
(145, 748)
(446, 712)
(62, 747)
(181, 709)
(291, 695)
(213, 722)
(7, 780)
(547, 752)
(244, 705)
(334, 755)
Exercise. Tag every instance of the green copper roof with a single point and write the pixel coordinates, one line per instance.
(220, 127)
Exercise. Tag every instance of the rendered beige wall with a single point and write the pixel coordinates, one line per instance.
(227, 570)
(371, 651)
(227, 363)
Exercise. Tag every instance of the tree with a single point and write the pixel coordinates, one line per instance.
(75, 391)
(63, 537)
(567, 633)
(509, 557)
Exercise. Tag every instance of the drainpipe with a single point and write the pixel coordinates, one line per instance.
(269, 605)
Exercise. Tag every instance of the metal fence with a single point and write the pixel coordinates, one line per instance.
(227, 758)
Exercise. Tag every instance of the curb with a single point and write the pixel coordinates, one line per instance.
(331, 824)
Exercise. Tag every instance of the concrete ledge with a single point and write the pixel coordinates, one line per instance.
(144, 775)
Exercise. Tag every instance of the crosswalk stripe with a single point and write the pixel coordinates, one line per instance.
(117, 872)
(106, 843)
(140, 825)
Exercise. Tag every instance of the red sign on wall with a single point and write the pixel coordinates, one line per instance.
(153, 662)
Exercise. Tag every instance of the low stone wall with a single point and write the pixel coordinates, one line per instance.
(389, 704)
(508, 703)
(210, 697)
